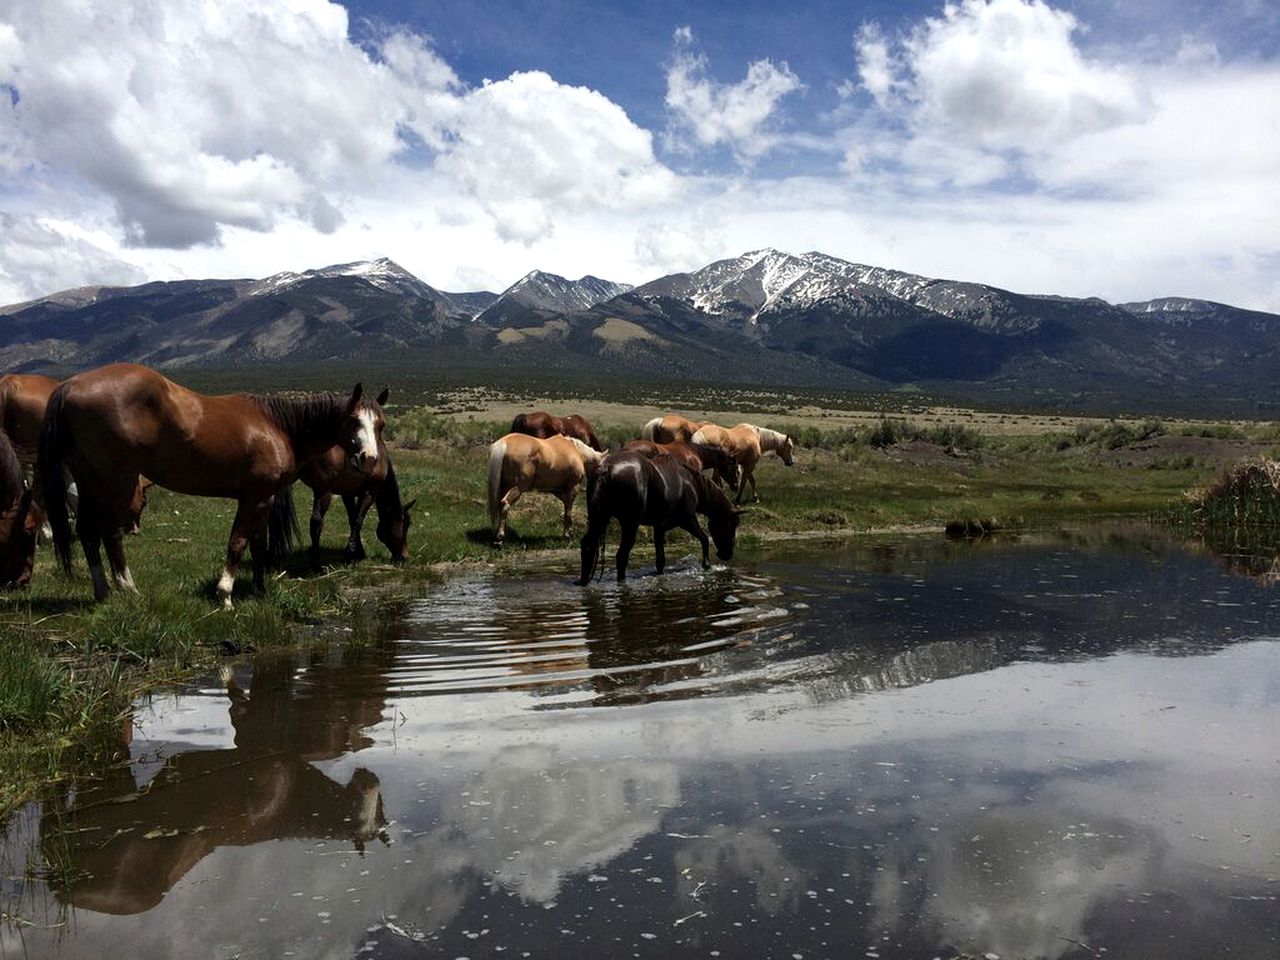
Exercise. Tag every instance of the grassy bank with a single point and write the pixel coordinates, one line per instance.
(69, 668)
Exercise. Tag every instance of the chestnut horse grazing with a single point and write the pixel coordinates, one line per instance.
(747, 443)
(695, 456)
(110, 424)
(332, 473)
(660, 492)
(544, 425)
(519, 463)
(670, 428)
(19, 520)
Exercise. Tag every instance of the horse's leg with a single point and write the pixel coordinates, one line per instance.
(660, 547)
(626, 541)
(695, 528)
(357, 509)
(258, 545)
(504, 507)
(319, 507)
(746, 475)
(567, 498)
(241, 530)
(114, 542)
(755, 494)
(88, 529)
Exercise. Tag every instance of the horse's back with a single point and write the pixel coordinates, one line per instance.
(23, 399)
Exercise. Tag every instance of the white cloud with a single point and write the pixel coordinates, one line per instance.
(527, 147)
(40, 256)
(733, 115)
(194, 115)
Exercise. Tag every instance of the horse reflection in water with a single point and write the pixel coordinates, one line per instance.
(125, 843)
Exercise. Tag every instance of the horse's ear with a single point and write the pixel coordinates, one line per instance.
(409, 506)
(144, 484)
(356, 394)
(384, 396)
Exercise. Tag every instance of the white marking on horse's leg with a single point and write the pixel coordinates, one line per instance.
(225, 584)
(100, 588)
(124, 581)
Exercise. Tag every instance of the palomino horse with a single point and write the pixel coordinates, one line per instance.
(660, 492)
(519, 463)
(332, 473)
(110, 424)
(747, 443)
(542, 425)
(19, 520)
(695, 456)
(670, 428)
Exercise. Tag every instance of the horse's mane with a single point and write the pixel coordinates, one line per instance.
(10, 473)
(772, 437)
(295, 414)
(590, 454)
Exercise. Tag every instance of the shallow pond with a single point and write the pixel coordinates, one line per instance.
(1067, 746)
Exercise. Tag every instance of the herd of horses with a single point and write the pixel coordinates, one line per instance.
(87, 448)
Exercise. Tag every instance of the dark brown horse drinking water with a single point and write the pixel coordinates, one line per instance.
(660, 492)
(110, 424)
(333, 473)
(544, 425)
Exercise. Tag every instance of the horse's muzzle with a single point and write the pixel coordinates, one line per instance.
(364, 462)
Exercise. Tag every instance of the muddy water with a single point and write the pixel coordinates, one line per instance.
(1064, 747)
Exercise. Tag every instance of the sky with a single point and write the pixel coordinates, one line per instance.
(1126, 149)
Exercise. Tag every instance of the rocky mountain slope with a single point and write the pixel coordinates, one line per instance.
(766, 316)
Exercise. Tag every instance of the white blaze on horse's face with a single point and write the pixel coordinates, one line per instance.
(365, 452)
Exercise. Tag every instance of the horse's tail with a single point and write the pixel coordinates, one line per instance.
(650, 431)
(497, 456)
(282, 527)
(55, 440)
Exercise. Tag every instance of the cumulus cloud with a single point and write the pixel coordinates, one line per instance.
(528, 146)
(39, 256)
(194, 115)
(990, 82)
(732, 115)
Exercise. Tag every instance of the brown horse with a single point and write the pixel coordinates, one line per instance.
(660, 492)
(332, 473)
(19, 520)
(23, 398)
(695, 456)
(110, 424)
(747, 443)
(519, 463)
(670, 428)
(543, 425)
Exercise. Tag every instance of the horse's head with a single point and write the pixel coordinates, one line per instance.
(393, 530)
(19, 526)
(722, 523)
(362, 430)
(786, 450)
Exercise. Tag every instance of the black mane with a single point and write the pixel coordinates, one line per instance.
(388, 499)
(297, 415)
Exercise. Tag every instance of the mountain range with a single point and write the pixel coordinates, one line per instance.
(765, 317)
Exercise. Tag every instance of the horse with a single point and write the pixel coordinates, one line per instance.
(519, 463)
(19, 520)
(700, 456)
(657, 491)
(670, 429)
(544, 425)
(331, 474)
(747, 443)
(111, 424)
(23, 398)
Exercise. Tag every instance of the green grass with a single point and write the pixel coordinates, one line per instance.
(69, 668)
